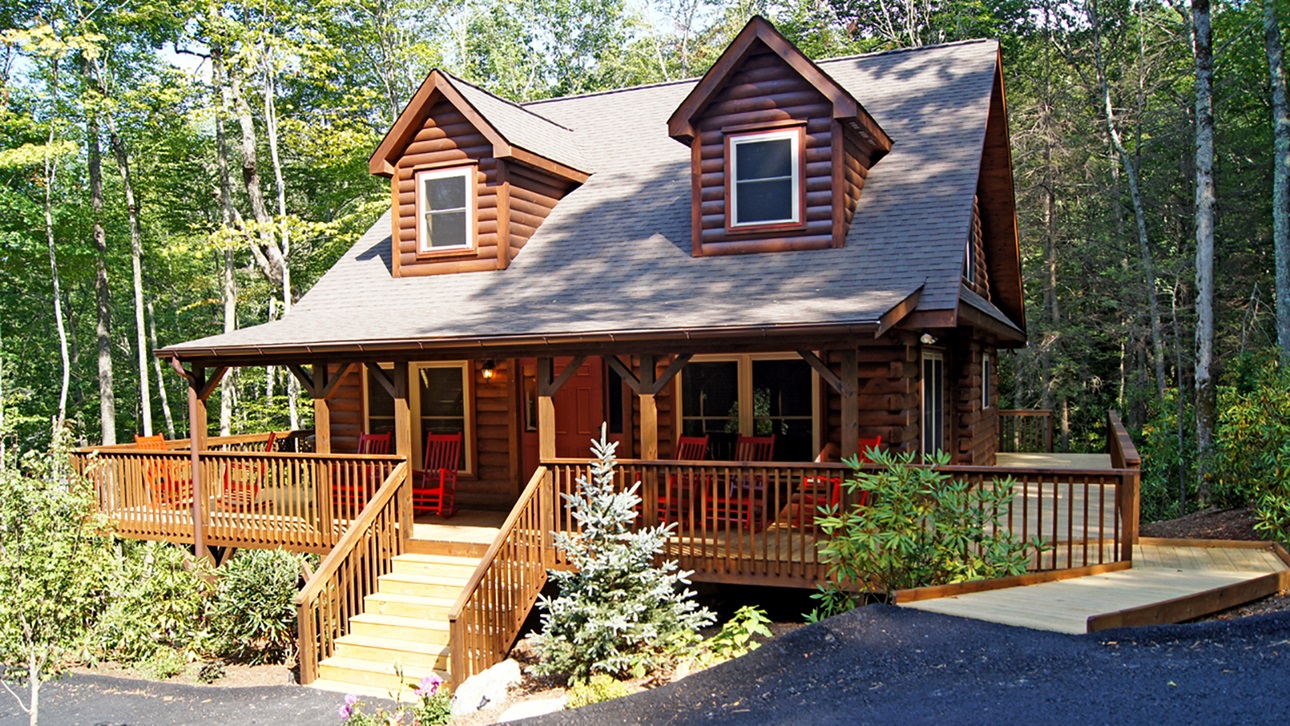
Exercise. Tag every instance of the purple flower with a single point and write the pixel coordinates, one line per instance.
(345, 712)
(430, 685)
(350, 699)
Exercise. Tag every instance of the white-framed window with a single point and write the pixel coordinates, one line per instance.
(986, 383)
(445, 209)
(933, 395)
(439, 397)
(753, 395)
(765, 178)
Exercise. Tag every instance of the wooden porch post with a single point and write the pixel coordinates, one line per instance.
(322, 412)
(649, 409)
(850, 390)
(402, 412)
(546, 409)
(196, 445)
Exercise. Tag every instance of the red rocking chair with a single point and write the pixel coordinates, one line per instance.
(243, 482)
(680, 493)
(819, 492)
(170, 482)
(434, 489)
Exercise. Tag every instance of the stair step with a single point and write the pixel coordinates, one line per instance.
(442, 565)
(393, 627)
(409, 606)
(456, 549)
(385, 652)
(352, 673)
(424, 585)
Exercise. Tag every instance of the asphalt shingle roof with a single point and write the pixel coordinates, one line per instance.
(523, 127)
(615, 254)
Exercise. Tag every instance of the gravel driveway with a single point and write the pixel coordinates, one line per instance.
(885, 665)
(878, 664)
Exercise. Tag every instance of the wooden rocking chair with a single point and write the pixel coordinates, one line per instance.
(352, 493)
(170, 482)
(243, 481)
(819, 492)
(434, 488)
(681, 491)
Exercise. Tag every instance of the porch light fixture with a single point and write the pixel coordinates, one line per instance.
(927, 339)
(490, 370)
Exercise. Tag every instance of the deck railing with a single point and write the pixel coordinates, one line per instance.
(747, 523)
(1025, 430)
(492, 608)
(1124, 455)
(302, 502)
(350, 572)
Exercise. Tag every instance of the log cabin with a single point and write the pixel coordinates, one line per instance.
(809, 254)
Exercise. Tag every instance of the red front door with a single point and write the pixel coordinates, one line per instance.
(579, 411)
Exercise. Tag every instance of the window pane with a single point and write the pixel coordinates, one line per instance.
(764, 201)
(762, 159)
(446, 229)
(380, 408)
(710, 405)
(443, 409)
(782, 405)
(446, 192)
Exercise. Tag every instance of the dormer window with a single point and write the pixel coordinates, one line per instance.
(765, 179)
(445, 210)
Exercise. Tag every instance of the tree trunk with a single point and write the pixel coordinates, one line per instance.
(33, 681)
(271, 127)
(156, 368)
(103, 303)
(1280, 173)
(1135, 195)
(228, 218)
(136, 267)
(1205, 210)
(268, 255)
(51, 168)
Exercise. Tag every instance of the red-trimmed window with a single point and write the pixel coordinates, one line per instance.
(445, 210)
(764, 186)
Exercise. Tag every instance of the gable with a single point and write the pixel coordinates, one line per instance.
(1001, 245)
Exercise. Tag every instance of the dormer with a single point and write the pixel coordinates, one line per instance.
(779, 150)
(472, 177)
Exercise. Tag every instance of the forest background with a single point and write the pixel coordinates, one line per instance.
(169, 170)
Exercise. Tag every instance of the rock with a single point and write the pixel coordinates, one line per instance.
(485, 689)
(531, 709)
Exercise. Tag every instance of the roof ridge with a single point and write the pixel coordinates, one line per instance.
(696, 79)
(507, 101)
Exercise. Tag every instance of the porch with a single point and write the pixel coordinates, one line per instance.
(746, 523)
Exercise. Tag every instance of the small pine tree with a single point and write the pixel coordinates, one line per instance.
(617, 612)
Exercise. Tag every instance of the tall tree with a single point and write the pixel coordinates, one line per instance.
(1206, 201)
(1280, 171)
(103, 307)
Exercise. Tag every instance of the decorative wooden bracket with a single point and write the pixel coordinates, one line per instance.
(647, 384)
(376, 373)
(197, 378)
(835, 382)
(549, 386)
(320, 384)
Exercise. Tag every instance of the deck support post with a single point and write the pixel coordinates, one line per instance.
(403, 447)
(850, 391)
(200, 387)
(322, 411)
(546, 409)
(649, 408)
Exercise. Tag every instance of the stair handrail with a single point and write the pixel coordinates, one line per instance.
(495, 632)
(387, 515)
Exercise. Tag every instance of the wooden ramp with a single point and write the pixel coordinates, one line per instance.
(1171, 581)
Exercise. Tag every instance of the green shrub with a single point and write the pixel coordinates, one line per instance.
(253, 611)
(735, 637)
(920, 527)
(158, 600)
(164, 663)
(1168, 462)
(1251, 462)
(600, 687)
(617, 612)
(211, 671)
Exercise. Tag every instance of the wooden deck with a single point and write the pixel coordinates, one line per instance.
(468, 533)
(1169, 582)
(1054, 461)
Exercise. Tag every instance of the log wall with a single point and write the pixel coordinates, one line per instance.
(974, 427)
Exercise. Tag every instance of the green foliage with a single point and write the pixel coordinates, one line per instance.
(920, 527)
(253, 611)
(617, 612)
(1251, 463)
(1168, 462)
(158, 600)
(736, 636)
(53, 555)
(432, 707)
(164, 663)
(599, 687)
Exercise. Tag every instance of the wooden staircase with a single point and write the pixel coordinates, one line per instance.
(402, 634)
